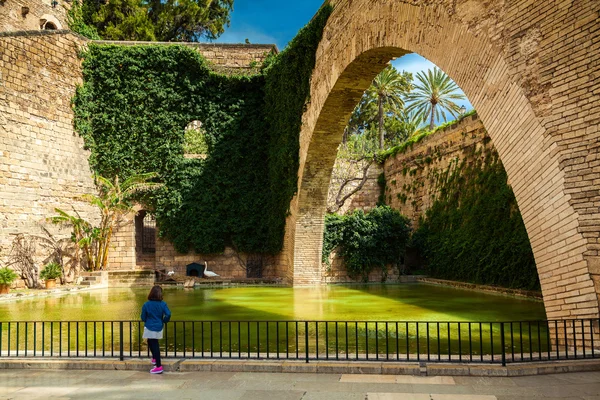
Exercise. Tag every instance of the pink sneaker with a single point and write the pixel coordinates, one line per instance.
(156, 370)
(153, 361)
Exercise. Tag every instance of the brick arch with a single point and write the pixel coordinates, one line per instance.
(505, 60)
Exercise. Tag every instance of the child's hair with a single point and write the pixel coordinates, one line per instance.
(155, 293)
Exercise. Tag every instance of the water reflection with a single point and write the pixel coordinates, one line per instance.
(358, 302)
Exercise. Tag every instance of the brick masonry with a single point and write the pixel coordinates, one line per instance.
(42, 161)
(529, 67)
(33, 15)
(221, 55)
(408, 174)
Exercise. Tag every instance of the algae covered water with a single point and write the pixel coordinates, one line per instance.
(405, 302)
(251, 321)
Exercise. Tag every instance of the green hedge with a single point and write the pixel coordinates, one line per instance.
(474, 232)
(135, 104)
(366, 241)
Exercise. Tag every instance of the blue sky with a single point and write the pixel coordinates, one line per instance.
(277, 22)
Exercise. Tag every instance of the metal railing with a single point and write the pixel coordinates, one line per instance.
(481, 342)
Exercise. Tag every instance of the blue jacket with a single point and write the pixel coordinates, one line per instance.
(154, 314)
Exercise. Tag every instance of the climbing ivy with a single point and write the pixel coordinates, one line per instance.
(474, 232)
(132, 110)
(287, 91)
(366, 241)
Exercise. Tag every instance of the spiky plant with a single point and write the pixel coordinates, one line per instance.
(433, 96)
(114, 200)
(388, 91)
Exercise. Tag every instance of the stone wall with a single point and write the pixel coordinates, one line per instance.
(336, 272)
(410, 176)
(43, 164)
(228, 265)
(42, 161)
(365, 198)
(221, 55)
(409, 189)
(33, 15)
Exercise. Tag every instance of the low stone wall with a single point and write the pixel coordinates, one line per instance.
(220, 55)
(423, 368)
(336, 273)
(228, 264)
(143, 278)
(482, 288)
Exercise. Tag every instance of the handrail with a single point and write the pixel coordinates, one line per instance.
(501, 342)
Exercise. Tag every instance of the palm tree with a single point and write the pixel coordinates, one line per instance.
(434, 95)
(114, 200)
(388, 91)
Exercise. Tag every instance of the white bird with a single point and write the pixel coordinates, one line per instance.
(171, 273)
(208, 273)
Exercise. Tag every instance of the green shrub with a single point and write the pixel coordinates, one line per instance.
(366, 241)
(7, 276)
(52, 270)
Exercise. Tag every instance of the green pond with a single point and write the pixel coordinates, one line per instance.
(406, 302)
(438, 320)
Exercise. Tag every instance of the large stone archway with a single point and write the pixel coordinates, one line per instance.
(529, 68)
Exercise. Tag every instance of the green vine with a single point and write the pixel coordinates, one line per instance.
(474, 232)
(132, 111)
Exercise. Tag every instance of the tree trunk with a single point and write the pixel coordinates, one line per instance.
(381, 138)
(431, 124)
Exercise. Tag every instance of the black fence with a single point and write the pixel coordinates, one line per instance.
(481, 342)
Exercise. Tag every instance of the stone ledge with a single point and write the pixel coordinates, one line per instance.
(482, 288)
(299, 366)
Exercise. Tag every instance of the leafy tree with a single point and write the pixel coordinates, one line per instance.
(433, 95)
(76, 22)
(124, 20)
(387, 91)
(189, 20)
(114, 200)
(405, 126)
(149, 20)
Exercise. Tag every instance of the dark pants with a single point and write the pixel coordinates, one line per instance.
(155, 350)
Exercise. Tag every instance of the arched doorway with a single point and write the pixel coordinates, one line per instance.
(145, 239)
(524, 109)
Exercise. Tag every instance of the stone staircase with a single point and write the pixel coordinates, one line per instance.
(129, 278)
(95, 279)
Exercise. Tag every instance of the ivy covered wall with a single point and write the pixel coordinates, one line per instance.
(135, 104)
(466, 221)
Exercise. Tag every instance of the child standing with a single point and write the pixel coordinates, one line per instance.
(154, 314)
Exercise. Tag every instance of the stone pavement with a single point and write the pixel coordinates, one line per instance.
(114, 384)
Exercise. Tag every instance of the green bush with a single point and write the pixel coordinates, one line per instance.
(366, 241)
(7, 276)
(52, 270)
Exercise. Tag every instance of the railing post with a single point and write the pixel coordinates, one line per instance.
(121, 340)
(306, 338)
(502, 344)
